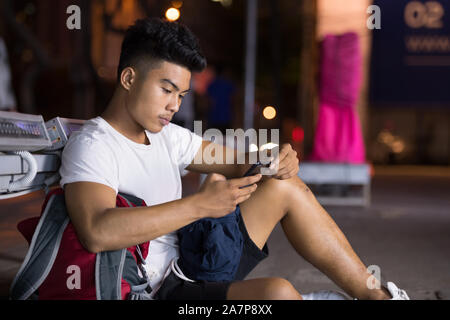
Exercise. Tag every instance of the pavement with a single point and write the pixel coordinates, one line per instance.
(405, 232)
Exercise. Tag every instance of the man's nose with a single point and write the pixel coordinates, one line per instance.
(174, 105)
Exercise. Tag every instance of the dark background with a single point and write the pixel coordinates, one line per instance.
(71, 73)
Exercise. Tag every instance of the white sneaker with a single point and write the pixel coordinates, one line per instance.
(325, 295)
(396, 293)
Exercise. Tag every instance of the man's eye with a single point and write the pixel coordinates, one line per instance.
(166, 91)
(181, 97)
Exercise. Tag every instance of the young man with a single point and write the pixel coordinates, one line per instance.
(133, 148)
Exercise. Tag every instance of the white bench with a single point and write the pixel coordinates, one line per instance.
(352, 180)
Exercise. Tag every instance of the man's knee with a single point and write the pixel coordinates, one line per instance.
(293, 185)
(280, 289)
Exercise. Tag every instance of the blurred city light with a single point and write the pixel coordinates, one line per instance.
(395, 143)
(398, 146)
(253, 148)
(269, 112)
(298, 134)
(172, 14)
(177, 4)
(269, 146)
(225, 3)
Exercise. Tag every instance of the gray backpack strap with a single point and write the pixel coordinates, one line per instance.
(108, 274)
(140, 286)
(42, 251)
(110, 268)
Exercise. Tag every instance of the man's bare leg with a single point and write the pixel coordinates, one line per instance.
(263, 289)
(310, 230)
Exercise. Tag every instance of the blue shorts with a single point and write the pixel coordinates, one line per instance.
(174, 288)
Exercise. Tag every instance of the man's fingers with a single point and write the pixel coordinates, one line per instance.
(287, 169)
(245, 193)
(243, 198)
(279, 166)
(242, 182)
(248, 190)
(288, 163)
(250, 180)
(288, 175)
(285, 149)
(279, 162)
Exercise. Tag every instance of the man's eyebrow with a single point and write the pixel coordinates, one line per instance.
(173, 85)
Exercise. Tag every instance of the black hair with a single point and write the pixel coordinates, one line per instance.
(154, 39)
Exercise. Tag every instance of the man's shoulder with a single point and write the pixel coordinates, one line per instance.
(92, 135)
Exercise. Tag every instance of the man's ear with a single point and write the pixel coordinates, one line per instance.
(127, 78)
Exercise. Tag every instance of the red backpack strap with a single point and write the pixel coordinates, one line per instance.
(126, 200)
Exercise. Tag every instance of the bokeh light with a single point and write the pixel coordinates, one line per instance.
(269, 112)
(172, 14)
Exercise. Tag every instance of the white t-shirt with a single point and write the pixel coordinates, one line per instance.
(99, 153)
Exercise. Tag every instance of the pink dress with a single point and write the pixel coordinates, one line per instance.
(338, 136)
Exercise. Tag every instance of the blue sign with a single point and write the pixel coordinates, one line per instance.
(411, 53)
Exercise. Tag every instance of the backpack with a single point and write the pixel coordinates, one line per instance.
(57, 266)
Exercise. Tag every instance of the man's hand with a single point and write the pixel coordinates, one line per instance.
(285, 164)
(218, 197)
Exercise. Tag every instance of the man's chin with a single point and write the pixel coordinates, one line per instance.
(154, 129)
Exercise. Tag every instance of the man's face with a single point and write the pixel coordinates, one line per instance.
(156, 96)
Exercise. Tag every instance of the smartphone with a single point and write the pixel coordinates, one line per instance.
(252, 171)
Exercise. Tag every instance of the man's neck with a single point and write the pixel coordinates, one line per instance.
(116, 114)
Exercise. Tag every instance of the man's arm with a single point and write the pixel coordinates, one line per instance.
(100, 226)
(284, 161)
(207, 161)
